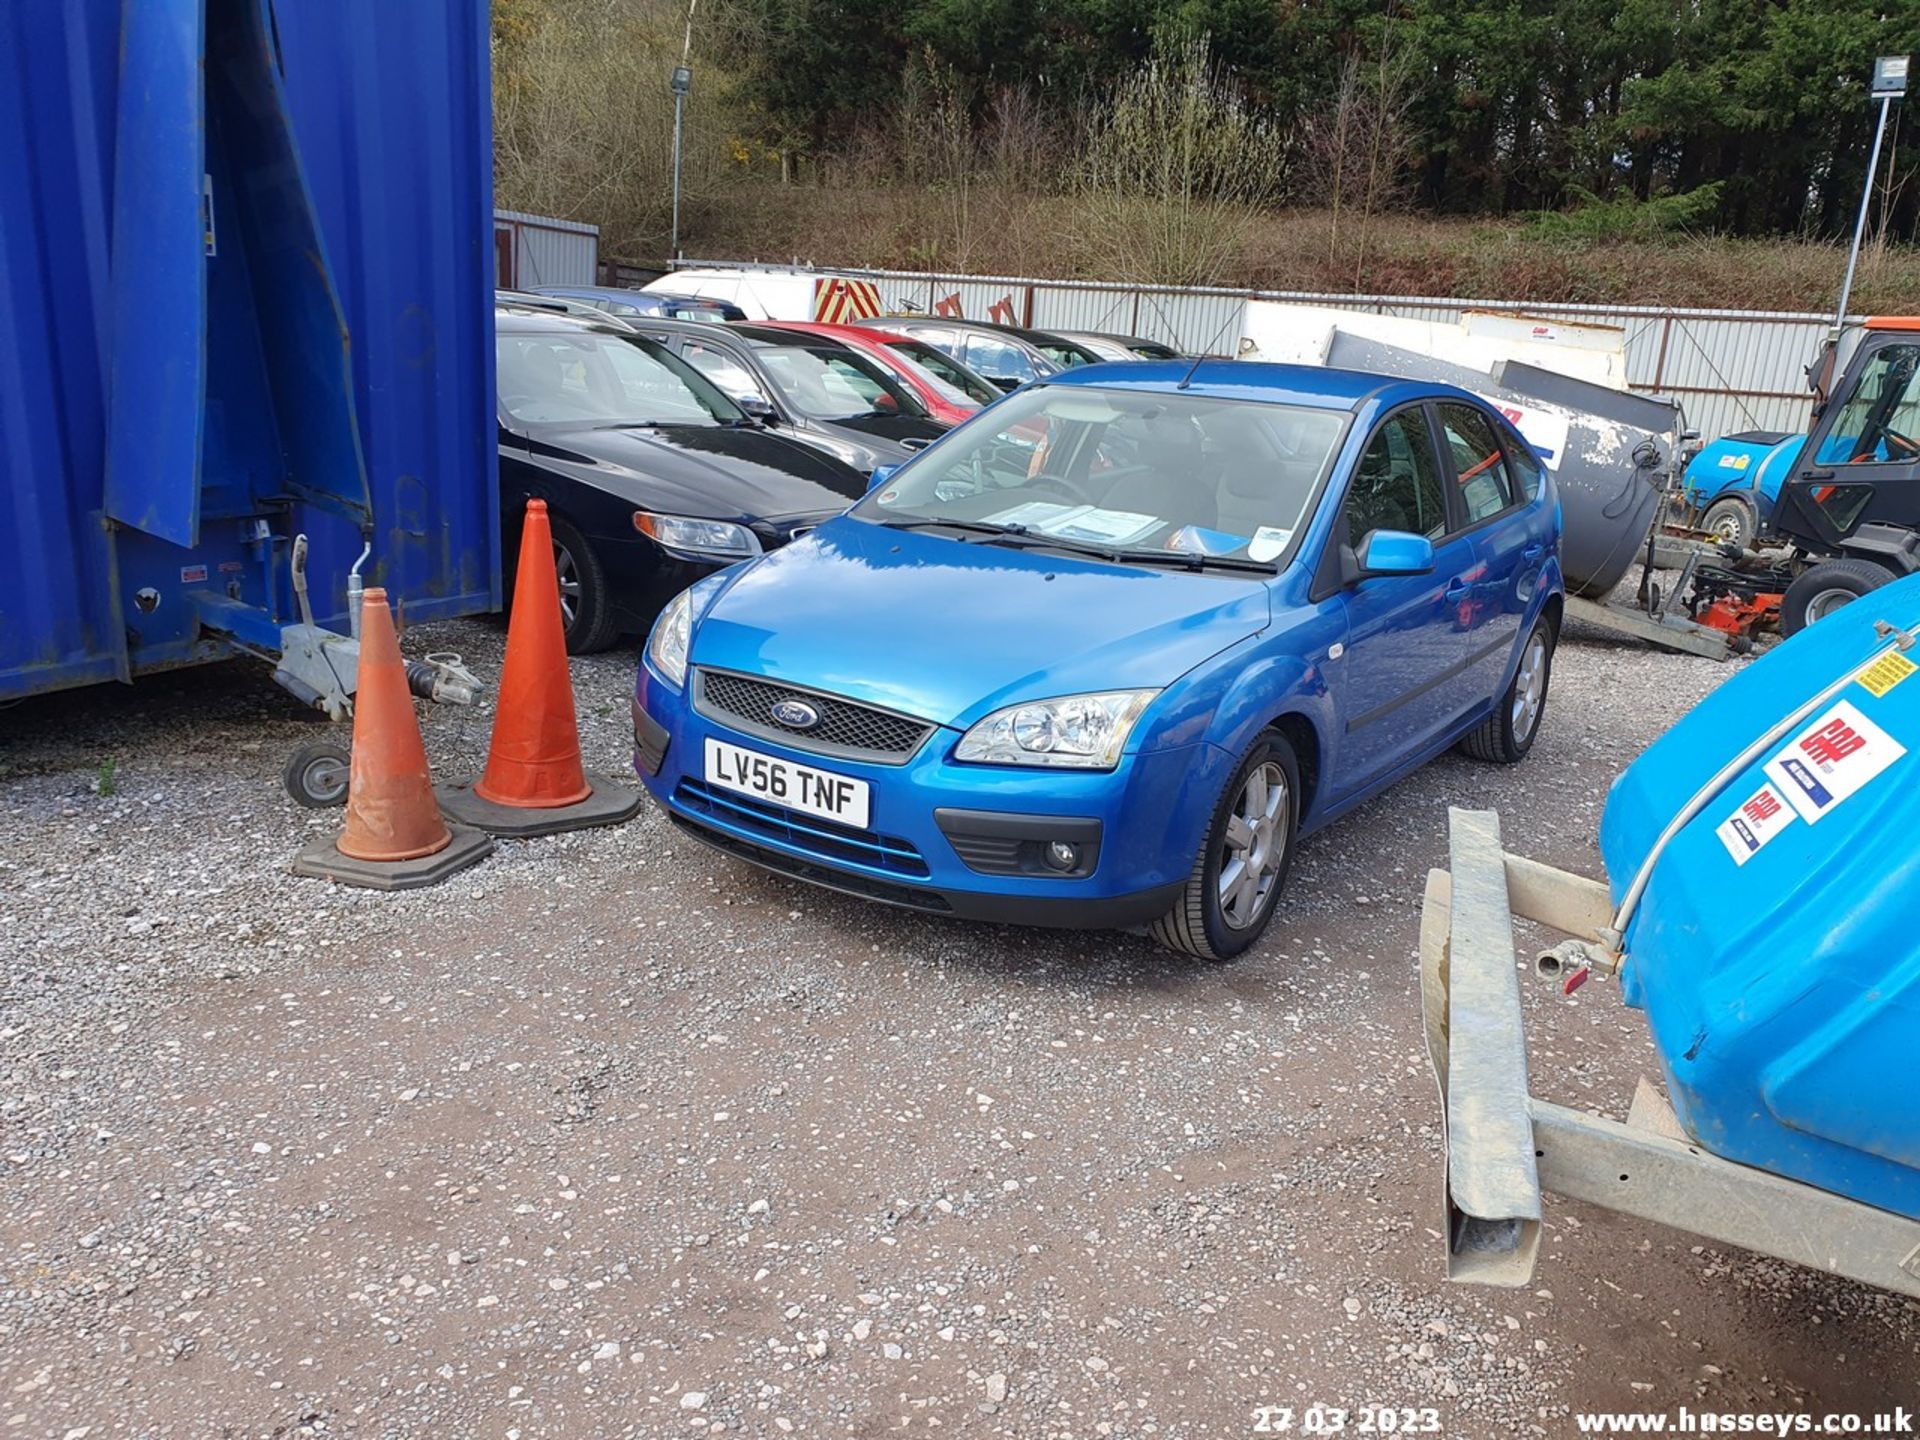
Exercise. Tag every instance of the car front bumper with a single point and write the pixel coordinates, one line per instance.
(943, 837)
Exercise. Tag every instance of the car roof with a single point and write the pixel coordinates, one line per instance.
(601, 292)
(1128, 340)
(632, 295)
(751, 334)
(1310, 385)
(518, 316)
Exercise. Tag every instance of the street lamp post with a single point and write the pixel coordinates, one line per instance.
(682, 81)
(1889, 85)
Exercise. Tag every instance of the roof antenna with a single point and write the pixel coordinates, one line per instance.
(1193, 369)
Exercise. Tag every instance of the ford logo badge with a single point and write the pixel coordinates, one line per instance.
(795, 714)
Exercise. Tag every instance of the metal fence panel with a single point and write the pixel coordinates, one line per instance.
(1731, 370)
(547, 251)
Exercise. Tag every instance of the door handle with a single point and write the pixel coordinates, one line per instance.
(1818, 475)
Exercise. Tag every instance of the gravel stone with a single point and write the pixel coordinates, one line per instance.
(242, 1114)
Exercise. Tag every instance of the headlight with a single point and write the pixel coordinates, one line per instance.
(667, 646)
(704, 539)
(1085, 732)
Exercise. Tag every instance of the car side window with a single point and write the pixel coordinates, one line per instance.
(1479, 466)
(1521, 463)
(725, 371)
(1397, 483)
(995, 358)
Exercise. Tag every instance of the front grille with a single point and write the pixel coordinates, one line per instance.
(858, 732)
(819, 837)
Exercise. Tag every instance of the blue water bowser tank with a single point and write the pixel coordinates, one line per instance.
(1777, 949)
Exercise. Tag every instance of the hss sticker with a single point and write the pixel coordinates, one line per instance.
(1761, 816)
(1831, 759)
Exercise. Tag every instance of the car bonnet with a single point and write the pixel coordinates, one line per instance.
(949, 630)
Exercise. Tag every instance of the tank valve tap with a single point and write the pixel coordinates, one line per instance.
(1572, 963)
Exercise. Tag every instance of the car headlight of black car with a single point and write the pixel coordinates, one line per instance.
(698, 539)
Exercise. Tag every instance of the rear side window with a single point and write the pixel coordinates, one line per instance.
(996, 359)
(1397, 485)
(1521, 463)
(1479, 465)
(726, 372)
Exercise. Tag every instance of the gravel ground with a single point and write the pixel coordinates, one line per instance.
(612, 1137)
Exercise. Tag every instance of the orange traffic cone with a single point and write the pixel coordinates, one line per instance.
(394, 838)
(534, 782)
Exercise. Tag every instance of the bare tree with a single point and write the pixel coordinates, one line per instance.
(583, 118)
(1177, 165)
(1358, 154)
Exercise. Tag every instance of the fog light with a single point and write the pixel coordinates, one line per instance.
(1061, 855)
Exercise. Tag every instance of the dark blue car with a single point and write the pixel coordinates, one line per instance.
(655, 304)
(1100, 655)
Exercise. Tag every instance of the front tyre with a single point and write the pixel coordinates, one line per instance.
(1506, 735)
(1242, 866)
(586, 600)
(1824, 588)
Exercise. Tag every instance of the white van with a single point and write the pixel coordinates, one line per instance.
(779, 294)
(763, 294)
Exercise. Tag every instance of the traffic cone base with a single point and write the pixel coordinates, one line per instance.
(323, 860)
(534, 783)
(393, 837)
(607, 803)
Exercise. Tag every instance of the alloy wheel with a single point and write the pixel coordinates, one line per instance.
(1530, 688)
(568, 574)
(1255, 845)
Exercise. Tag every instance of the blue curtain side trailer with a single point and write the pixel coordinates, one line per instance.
(245, 296)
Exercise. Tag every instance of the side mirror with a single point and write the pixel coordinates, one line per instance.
(881, 474)
(1396, 552)
(757, 408)
(1008, 383)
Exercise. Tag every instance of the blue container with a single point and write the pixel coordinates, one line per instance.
(1753, 466)
(245, 293)
(1776, 952)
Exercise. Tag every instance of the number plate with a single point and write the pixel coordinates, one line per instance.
(781, 782)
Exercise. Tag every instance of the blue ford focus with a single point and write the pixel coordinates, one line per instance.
(1101, 655)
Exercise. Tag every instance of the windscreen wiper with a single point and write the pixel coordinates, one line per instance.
(1193, 560)
(1014, 536)
(925, 522)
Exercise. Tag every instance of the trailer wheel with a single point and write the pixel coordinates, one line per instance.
(1824, 588)
(316, 774)
(1730, 521)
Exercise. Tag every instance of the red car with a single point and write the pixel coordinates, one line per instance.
(949, 390)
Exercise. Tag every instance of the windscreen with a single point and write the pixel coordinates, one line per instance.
(1126, 470)
(584, 378)
(948, 370)
(836, 384)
